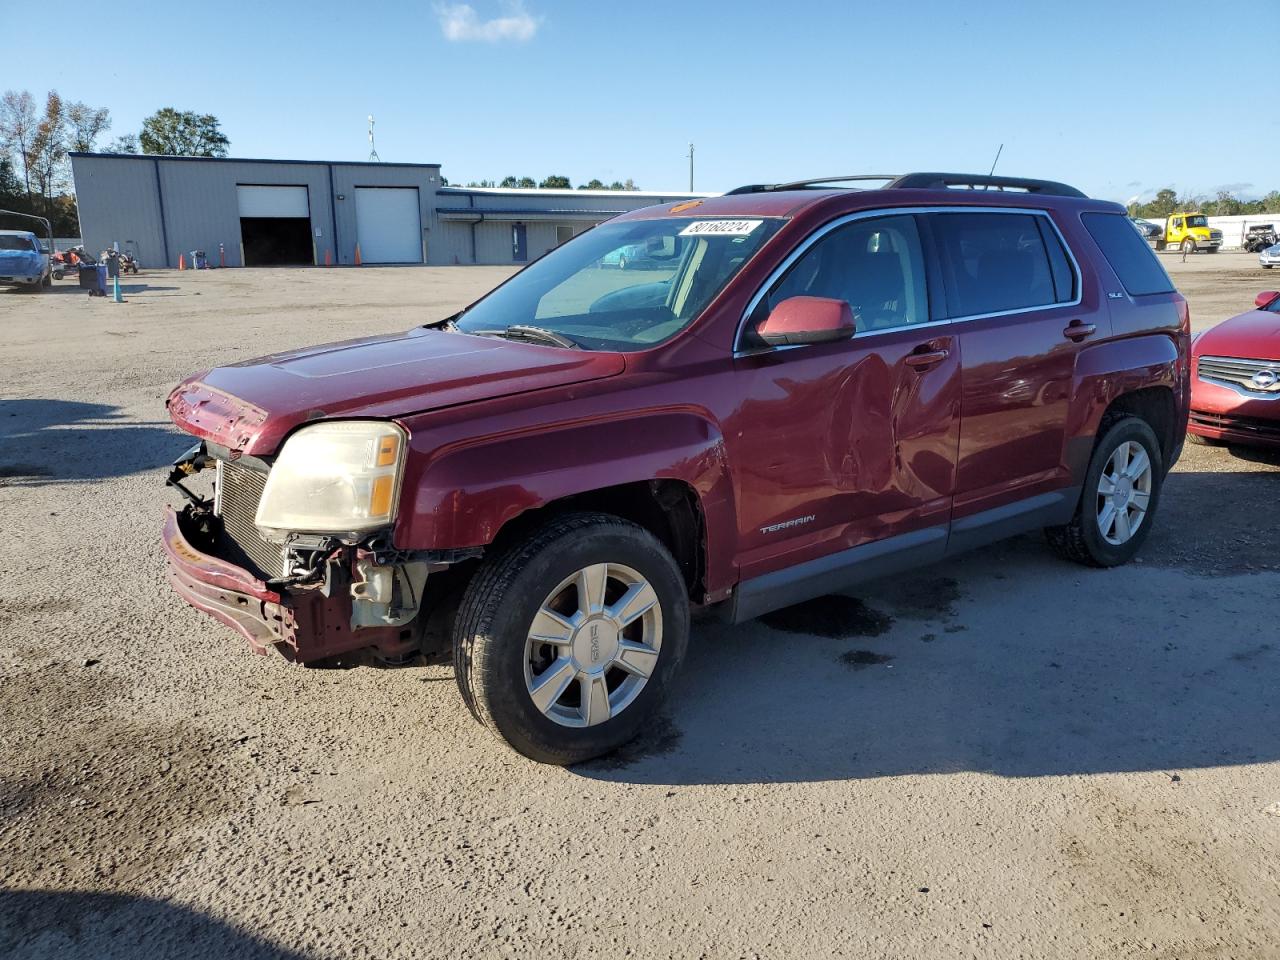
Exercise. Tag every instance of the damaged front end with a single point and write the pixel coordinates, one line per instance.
(311, 596)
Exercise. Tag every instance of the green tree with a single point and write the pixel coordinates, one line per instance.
(616, 185)
(1271, 202)
(84, 125)
(123, 144)
(186, 134)
(556, 182)
(526, 183)
(592, 185)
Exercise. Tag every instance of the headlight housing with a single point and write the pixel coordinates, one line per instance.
(340, 478)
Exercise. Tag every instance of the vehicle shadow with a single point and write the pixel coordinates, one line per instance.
(67, 925)
(45, 441)
(1007, 661)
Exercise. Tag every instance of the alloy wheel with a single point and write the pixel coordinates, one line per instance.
(593, 645)
(1124, 492)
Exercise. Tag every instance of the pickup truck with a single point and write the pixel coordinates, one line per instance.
(23, 261)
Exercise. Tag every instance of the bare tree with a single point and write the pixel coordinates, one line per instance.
(85, 125)
(18, 127)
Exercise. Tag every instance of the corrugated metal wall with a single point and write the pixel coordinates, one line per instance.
(160, 207)
(121, 199)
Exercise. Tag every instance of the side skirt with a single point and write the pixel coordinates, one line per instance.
(908, 551)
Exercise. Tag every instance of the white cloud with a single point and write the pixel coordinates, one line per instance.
(460, 23)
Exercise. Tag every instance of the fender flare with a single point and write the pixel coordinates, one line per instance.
(1106, 371)
(464, 494)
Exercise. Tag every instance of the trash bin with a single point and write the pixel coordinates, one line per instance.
(199, 261)
(93, 277)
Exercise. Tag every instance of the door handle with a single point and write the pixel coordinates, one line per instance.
(1077, 330)
(926, 359)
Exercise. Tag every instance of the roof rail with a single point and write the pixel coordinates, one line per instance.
(815, 183)
(926, 181)
(984, 181)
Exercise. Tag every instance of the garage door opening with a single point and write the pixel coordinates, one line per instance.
(276, 241)
(275, 226)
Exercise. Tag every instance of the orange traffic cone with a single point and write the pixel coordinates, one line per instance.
(357, 254)
(182, 262)
(327, 261)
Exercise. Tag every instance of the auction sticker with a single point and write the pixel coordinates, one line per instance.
(720, 228)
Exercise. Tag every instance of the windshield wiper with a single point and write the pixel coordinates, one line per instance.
(521, 331)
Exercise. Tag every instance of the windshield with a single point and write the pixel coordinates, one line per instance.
(1197, 222)
(623, 286)
(10, 242)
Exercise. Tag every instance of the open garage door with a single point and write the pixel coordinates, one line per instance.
(389, 224)
(275, 226)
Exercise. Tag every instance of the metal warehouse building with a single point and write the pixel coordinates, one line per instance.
(284, 212)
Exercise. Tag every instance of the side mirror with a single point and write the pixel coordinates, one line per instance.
(1265, 297)
(798, 320)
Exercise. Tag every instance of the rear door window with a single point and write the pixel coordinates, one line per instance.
(1130, 257)
(999, 263)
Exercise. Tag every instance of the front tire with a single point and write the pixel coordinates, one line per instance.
(1119, 499)
(566, 642)
(1188, 246)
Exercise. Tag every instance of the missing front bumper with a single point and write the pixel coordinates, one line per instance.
(301, 622)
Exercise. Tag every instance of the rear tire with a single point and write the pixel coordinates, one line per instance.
(523, 631)
(1096, 536)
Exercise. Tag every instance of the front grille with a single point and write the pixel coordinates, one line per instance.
(1253, 426)
(1237, 372)
(239, 490)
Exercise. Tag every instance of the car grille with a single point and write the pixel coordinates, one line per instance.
(239, 490)
(1239, 373)
(1263, 429)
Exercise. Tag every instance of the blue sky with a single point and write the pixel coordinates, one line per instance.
(1085, 92)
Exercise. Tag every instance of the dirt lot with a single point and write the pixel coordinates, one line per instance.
(1004, 756)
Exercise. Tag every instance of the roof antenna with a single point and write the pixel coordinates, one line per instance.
(373, 151)
(995, 161)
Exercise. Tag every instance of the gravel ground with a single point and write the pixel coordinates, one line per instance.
(1004, 756)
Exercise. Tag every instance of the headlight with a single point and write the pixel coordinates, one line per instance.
(336, 478)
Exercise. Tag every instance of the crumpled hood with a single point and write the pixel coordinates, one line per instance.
(251, 406)
(1254, 335)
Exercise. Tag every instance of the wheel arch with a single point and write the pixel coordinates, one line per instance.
(663, 470)
(1143, 376)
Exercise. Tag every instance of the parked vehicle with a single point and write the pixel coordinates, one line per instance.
(1147, 230)
(128, 263)
(1190, 233)
(23, 261)
(1235, 395)
(1260, 236)
(1269, 257)
(827, 386)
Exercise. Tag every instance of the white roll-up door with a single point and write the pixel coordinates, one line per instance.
(388, 224)
(273, 201)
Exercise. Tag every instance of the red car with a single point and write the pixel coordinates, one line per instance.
(1235, 397)
(805, 386)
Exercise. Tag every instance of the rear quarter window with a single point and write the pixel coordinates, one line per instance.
(1130, 257)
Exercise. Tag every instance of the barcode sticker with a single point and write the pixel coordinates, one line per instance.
(720, 228)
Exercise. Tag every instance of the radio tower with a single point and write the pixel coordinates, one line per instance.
(373, 151)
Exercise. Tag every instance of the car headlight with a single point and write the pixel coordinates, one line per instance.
(340, 478)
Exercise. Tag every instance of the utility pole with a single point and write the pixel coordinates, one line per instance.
(691, 168)
(373, 151)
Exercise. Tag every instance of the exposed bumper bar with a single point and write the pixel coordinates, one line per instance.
(301, 622)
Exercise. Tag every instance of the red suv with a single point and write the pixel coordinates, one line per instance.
(798, 387)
